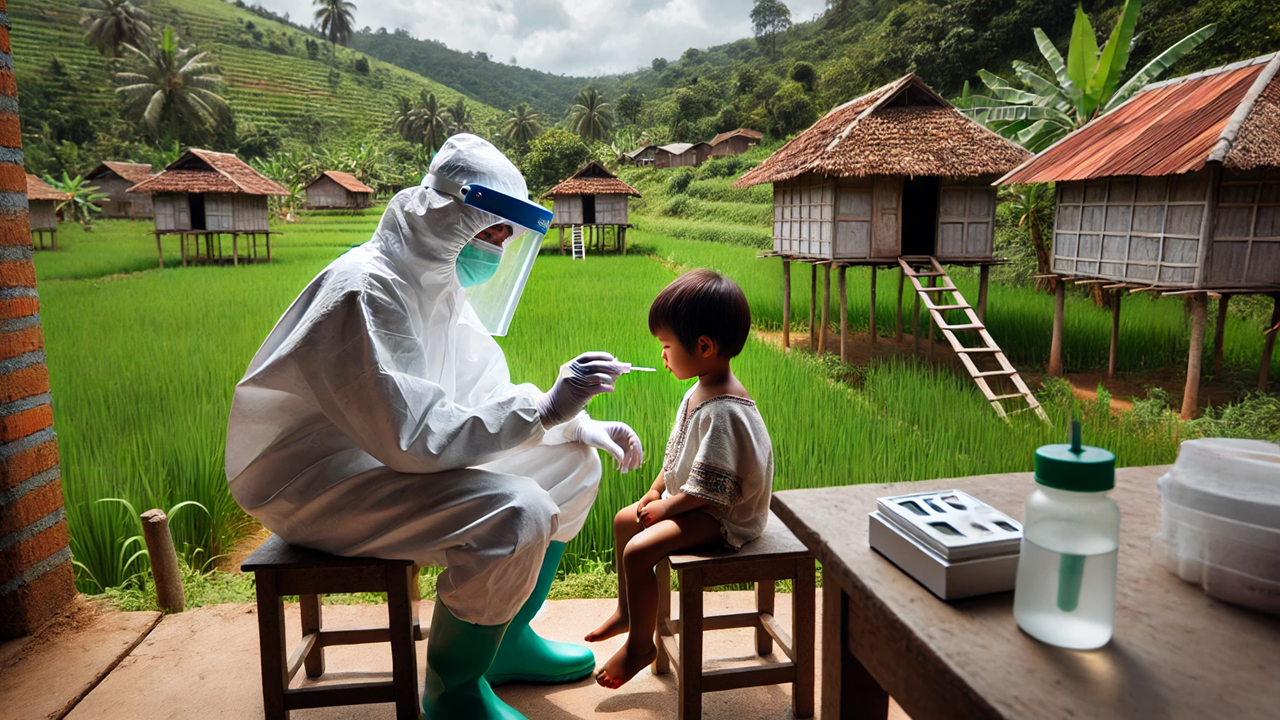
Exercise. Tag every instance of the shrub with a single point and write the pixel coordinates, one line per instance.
(362, 65)
(553, 156)
(680, 179)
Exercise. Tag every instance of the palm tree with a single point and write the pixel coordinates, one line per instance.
(523, 125)
(430, 124)
(1087, 82)
(112, 23)
(170, 85)
(337, 21)
(404, 118)
(460, 118)
(591, 117)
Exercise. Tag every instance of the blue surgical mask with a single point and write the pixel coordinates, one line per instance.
(477, 262)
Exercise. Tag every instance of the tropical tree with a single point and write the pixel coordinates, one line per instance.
(630, 106)
(83, 203)
(1031, 204)
(522, 125)
(460, 119)
(591, 118)
(112, 23)
(337, 21)
(425, 122)
(403, 119)
(768, 19)
(1086, 84)
(173, 88)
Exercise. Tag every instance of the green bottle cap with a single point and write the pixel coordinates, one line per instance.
(1075, 467)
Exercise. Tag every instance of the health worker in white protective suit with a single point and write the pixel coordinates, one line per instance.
(378, 419)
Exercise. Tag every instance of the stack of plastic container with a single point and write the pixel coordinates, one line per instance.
(1221, 510)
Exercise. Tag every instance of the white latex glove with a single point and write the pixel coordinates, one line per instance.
(612, 437)
(580, 379)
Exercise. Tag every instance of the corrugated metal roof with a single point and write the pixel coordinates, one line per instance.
(38, 189)
(1169, 128)
(744, 132)
(204, 171)
(676, 148)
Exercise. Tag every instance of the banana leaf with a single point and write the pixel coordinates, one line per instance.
(1056, 63)
(1115, 56)
(1161, 63)
(1082, 60)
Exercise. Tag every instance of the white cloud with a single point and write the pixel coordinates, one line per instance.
(582, 37)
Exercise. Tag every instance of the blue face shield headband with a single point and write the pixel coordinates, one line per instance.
(494, 292)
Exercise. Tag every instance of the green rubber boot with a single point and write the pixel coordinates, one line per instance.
(525, 656)
(458, 653)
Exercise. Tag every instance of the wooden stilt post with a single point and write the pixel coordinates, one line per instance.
(786, 305)
(164, 561)
(928, 320)
(1219, 334)
(160, 252)
(844, 316)
(826, 308)
(561, 239)
(984, 277)
(268, 248)
(813, 307)
(915, 323)
(53, 239)
(1269, 343)
(902, 279)
(1115, 333)
(1059, 322)
(235, 249)
(622, 238)
(873, 304)
(1195, 355)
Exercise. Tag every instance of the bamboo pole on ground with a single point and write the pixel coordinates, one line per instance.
(1114, 360)
(844, 316)
(1219, 334)
(873, 302)
(984, 278)
(1059, 323)
(813, 306)
(786, 305)
(1269, 344)
(164, 561)
(902, 279)
(1195, 355)
(826, 308)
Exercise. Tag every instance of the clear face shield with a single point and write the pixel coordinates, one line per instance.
(495, 299)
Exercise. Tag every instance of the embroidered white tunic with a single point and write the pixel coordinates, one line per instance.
(721, 452)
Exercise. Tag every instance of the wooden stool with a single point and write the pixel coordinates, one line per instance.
(775, 555)
(282, 569)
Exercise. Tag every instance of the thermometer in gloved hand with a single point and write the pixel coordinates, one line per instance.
(637, 368)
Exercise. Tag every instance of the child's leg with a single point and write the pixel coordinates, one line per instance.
(684, 531)
(625, 526)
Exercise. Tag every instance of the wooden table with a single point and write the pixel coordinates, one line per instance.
(1176, 653)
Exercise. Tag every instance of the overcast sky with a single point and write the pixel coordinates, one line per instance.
(573, 37)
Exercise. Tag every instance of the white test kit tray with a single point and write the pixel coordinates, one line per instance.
(952, 543)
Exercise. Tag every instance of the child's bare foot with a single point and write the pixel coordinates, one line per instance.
(614, 626)
(624, 665)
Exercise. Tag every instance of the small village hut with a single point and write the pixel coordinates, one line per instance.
(114, 179)
(642, 155)
(735, 142)
(681, 154)
(205, 195)
(1176, 192)
(595, 200)
(335, 190)
(897, 177)
(42, 203)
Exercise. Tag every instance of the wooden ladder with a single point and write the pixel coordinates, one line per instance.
(967, 355)
(579, 248)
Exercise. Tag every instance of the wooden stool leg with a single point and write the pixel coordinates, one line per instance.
(312, 622)
(690, 688)
(271, 646)
(803, 617)
(662, 663)
(404, 661)
(764, 605)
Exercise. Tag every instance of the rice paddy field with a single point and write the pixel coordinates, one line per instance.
(144, 362)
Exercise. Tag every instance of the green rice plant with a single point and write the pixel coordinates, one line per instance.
(120, 574)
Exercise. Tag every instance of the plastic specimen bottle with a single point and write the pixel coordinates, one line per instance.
(1066, 587)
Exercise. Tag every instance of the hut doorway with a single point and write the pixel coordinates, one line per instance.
(920, 215)
(588, 209)
(196, 203)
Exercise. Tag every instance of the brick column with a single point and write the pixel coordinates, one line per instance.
(35, 554)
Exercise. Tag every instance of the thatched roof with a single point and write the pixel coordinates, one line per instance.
(1229, 115)
(901, 129)
(744, 132)
(205, 171)
(133, 172)
(593, 179)
(346, 180)
(38, 189)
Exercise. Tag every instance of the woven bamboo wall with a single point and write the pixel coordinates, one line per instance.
(611, 209)
(966, 218)
(43, 215)
(1246, 240)
(567, 210)
(804, 216)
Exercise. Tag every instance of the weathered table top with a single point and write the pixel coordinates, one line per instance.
(1176, 653)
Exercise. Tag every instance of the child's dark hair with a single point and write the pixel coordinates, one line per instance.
(700, 303)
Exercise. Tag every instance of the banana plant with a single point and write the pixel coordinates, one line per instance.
(83, 201)
(1085, 84)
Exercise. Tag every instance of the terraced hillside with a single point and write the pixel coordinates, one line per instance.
(271, 81)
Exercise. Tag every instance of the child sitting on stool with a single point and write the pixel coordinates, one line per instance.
(717, 475)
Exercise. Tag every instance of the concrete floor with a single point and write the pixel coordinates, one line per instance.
(204, 663)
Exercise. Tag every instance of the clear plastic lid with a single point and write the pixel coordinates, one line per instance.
(1234, 479)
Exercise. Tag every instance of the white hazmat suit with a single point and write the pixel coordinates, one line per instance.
(378, 418)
